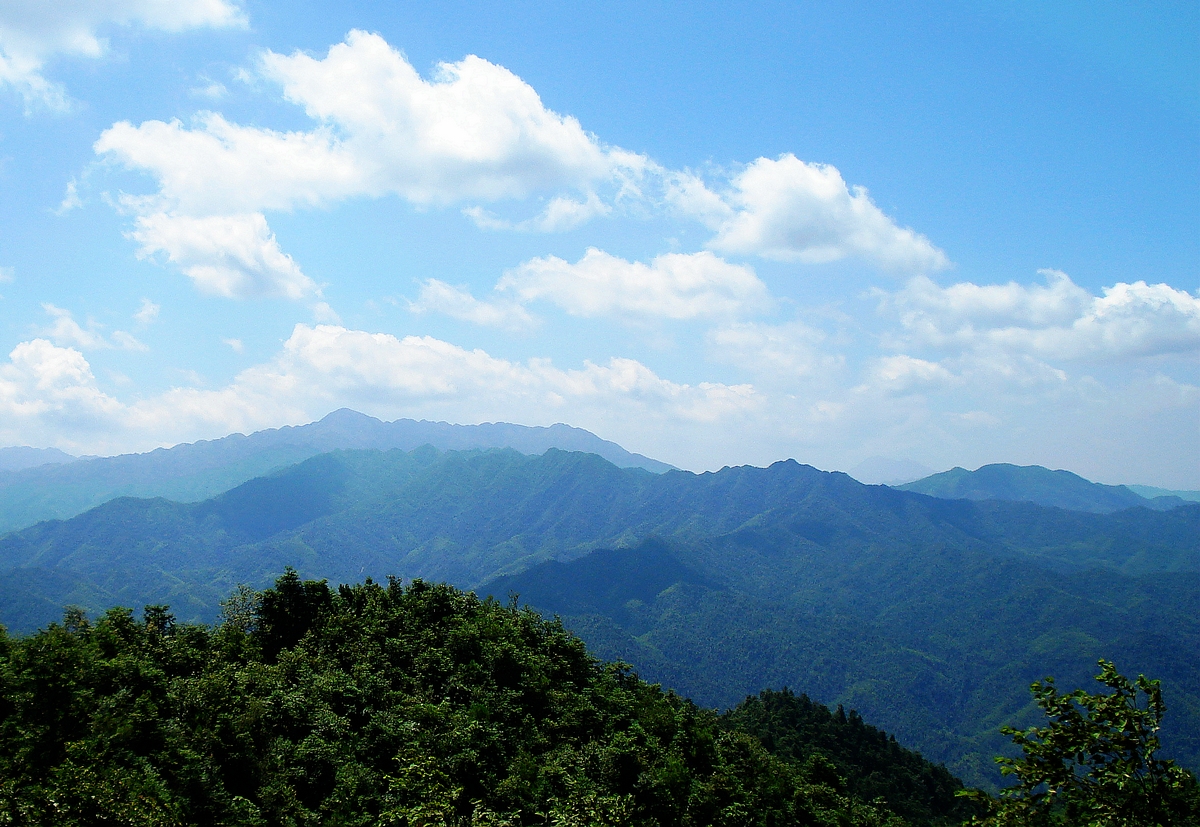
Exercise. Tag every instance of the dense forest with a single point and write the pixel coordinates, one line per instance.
(412, 705)
(419, 705)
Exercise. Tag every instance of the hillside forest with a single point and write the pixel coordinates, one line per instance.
(423, 705)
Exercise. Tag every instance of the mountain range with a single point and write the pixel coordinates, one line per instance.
(45, 484)
(930, 616)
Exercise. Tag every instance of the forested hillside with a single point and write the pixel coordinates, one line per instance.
(418, 705)
(929, 616)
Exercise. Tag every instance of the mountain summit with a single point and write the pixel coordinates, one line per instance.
(1035, 484)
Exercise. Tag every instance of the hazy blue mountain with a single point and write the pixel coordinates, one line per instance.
(885, 471)
(931, 614)
(196, 471)
(468, 517)
(1150, 492)
(21, 457)
(1035, 484)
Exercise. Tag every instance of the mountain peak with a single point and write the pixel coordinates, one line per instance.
(1030, 483)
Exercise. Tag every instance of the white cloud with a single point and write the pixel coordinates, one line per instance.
(458, 303)
(675, 285)
(209, 88)
(687, 193)
(906, 374)
(147, 313)
(34, 31)
(474, 132)
(47, 389)
(71, 199)
(48, 392)
(218, 167)
(66, 331)
(7, 274)
(560, 215)
(325, 314)
(470, 134)
(778, 353)
(235, 345)
(235, 256)
(1058, 320)
(789, 210)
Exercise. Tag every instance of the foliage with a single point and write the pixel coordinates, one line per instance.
(372, 705)
(1095, 763)
(871, 764)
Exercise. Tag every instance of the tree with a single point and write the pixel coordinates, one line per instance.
(1094, 765)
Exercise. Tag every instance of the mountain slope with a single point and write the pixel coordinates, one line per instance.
(197, 471)
(932, 615)
(933, 645)
(1035, 484)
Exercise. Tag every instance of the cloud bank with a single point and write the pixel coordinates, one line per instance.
(672, 286)
(48, 392)
(1058, 320)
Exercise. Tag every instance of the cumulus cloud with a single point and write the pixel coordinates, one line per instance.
(34, 31)
(235, 256)
(1055, 320)
(68, 332)
(473, 132)
(779, 353)
(50, 391)
(323, 367)
(674, 286)
(458, 303)
(216, 167)
(789, 210)
(906, 374)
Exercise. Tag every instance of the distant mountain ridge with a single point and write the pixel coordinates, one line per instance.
(1151, 492)
(196, 471)
(1036, 484)
(21, 457)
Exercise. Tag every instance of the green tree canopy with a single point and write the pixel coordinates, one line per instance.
(373, 705)
(1094, 764)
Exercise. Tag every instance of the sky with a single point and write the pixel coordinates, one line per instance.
(718, 234)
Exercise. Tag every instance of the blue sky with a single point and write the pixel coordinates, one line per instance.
(960, 234)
